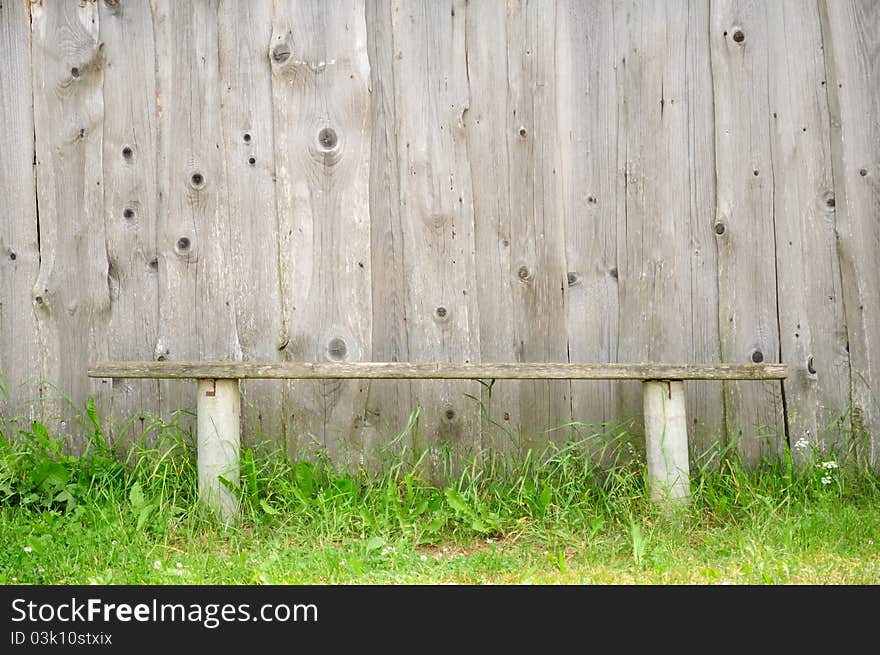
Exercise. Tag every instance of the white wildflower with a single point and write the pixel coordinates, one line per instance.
(829, 465)
(801, 444)
(157, 565)
(489, 540)
(14, 579)
(424, 558)
(114, 542)
(826, 479)
(180, 565)
(342, 562)
(41, 570)
(27, 549)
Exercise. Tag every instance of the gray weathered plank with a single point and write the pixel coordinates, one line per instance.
(590, 67)
(246, 92)
(389, 404)
(665, 252)
(130, 205)
(537, 227)
(812, 328)
(705, 401)
(431, 96)
(851, 32)
(21, 361)
(320, 92)
(438, 370)
(487, 132)
(72, 293)
(745, 222)
(513, 91)
(195, 234)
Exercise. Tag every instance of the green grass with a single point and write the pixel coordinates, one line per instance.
(547, 518)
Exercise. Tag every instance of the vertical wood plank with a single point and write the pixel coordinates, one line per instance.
(537, 227)
(527, 270)
(21, 362)
(665, 253)
(745, 222)
(705, 400)
(589, 66)
(195, 234)
(390, 403)
(811, 317)
(487, 136)
(851, 39)
(130, 205)
(431, 97)
(72, 293)
(246, 92)
(320, 89)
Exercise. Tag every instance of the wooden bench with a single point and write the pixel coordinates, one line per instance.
(218, 406)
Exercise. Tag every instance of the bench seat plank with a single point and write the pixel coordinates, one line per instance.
(435, 370)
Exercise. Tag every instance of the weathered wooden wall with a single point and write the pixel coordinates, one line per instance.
(585, 181)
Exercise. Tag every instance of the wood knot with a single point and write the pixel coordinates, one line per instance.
(573, 278)
(757, 356)
(863, 172)
(719, 228)
(197, 181)
(281, 53)
(336, 349)
(183, 245)
(524, 273)
(739, 36)
(829, 202)
(449, 414)
(127, 153)
(441, 313)
(810, 368)
(246, 137)
(523, 132)
(128, 213)
(327, 138)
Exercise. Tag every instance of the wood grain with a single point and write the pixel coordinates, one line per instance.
(72, 294)
(21, 359)
(130, 205)
(436, 214)
(745, 222)
(321, 101)
(245, 29)
(590, 70)
(666, 258)
(812, 326)
(438, 370)
(851, 38)
(197, 316)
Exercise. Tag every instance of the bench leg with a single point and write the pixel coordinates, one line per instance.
(666, 441)
(219, 437)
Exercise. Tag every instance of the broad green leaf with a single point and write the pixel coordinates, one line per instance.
(136, 496)
(304, 477)
(50, 475)
(268, 508)
(144, 516)
(374, 543)
(457, 502)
